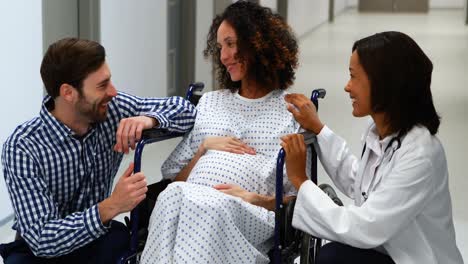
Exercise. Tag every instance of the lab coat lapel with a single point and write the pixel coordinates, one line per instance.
(385, 164)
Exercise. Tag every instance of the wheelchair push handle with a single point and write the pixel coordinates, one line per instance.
(316, 94)
(194, 88)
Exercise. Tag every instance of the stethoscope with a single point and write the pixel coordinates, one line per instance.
(396, 139)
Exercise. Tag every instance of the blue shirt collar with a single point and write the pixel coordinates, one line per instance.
(55, 127)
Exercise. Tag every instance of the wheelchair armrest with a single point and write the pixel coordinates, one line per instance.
(159, 134)
(309, 138)
(326, 188)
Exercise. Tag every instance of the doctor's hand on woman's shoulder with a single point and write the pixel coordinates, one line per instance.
(226, 143)
(304, 112)
(296, 153)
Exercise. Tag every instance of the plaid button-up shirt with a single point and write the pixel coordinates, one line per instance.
(56, 179)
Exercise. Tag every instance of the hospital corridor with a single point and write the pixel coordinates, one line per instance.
(325, 47)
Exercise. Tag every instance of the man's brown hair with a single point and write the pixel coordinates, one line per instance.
(69, 61)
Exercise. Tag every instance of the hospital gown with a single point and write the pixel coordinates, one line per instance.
(194, 223)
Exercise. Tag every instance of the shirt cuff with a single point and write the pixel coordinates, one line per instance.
(93, 223)
(162, 120)
(324, 136)
(325, 133)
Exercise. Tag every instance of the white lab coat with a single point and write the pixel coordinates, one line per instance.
(408, 210)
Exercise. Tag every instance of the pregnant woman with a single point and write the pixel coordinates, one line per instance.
(219, 208)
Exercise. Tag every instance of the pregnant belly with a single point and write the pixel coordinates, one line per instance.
(248, 171)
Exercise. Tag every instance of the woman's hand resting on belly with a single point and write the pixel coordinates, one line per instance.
(236, 146)
(265, 201)
(226, 143)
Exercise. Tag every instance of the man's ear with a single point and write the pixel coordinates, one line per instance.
(68, 92)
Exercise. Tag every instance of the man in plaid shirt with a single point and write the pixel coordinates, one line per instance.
(59, 167)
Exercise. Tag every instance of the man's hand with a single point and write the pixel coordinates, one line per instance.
(130, 130)
(129, 191)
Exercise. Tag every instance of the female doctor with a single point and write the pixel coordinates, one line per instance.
(402, 211)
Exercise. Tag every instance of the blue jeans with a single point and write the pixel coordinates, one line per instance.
(337, 253)
(106, 249)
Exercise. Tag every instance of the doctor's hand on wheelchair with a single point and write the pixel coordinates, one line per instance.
(296, 154)
(304, 111)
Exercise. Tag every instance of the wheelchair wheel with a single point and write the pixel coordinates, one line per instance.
(306, 255)
(310, 247)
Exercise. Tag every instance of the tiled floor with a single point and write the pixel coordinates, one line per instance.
(324, 64)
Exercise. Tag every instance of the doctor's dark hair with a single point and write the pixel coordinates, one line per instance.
(70, 61)
(400, 78)
(265, 43)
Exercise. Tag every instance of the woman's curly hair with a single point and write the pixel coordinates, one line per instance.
(264, 41)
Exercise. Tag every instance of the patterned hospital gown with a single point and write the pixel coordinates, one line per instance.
(194, 223)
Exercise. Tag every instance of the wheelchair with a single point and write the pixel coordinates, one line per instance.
(289, 243)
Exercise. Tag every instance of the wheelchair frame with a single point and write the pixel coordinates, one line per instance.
(289, 242)
(283, 248)
(150, 136)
